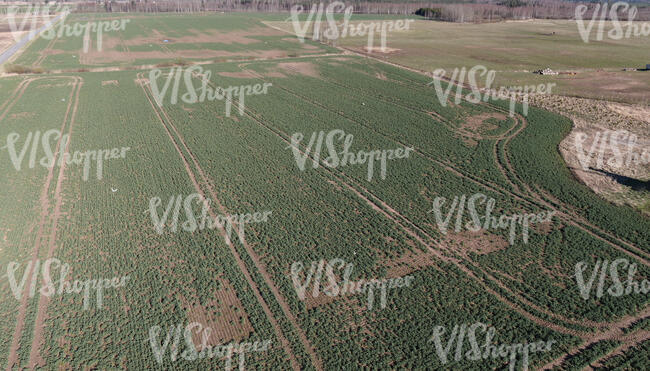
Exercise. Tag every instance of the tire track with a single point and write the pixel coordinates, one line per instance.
(544, 323)
(567, 216)
(240, 263)
(35, 359)
(45, 206)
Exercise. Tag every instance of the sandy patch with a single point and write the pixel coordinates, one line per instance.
(378, 49)
(240, 75)
(302, 68)
(110, 82)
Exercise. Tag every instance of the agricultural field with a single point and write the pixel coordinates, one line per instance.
(227, 234)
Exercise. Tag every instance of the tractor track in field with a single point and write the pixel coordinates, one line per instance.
(614, 327)
(571, 218)
(615, 332)
(621, 349)
(240, 263)
(16, 95)
(428, 245)
(536, 199)
(43, 54)
(35, 358)
(583, 335)
(566, 212)
(40, 235)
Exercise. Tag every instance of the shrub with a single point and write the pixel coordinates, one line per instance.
(431, 13)
(175, 62)
(16, 68)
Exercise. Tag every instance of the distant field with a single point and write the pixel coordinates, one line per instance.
(150, 40)
(243, 288)
(530, 45)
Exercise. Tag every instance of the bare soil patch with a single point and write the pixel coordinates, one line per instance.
(478, 123)
(378, 49)
(224, 315)
(240, 75)
(302, 68)
(21, 115)
(481, 242)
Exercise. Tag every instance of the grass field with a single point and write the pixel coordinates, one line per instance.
(516, 49)
(242, 287)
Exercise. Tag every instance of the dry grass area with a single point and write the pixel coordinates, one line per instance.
(593, 116)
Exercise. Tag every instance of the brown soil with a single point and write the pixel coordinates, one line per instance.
(377, 49)
(303, 68)
(481, 242)
(477, 123)
(241, 75)
(21, 115)
(228, 321)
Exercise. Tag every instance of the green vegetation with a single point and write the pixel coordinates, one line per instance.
(384, 227)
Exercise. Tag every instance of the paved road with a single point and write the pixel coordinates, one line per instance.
(30, 36)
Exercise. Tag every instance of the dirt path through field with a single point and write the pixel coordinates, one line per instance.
(45, 206)
(261, 267)
(240, 263)
(35, 359)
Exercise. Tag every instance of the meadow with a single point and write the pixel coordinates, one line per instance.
(242, 287)
(514, 49)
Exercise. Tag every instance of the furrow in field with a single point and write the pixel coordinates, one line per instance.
(40, 234)
(240, 262)
(35, 359)
(428, 245)
(566, 214)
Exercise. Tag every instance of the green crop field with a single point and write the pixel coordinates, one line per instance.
(97, 218)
